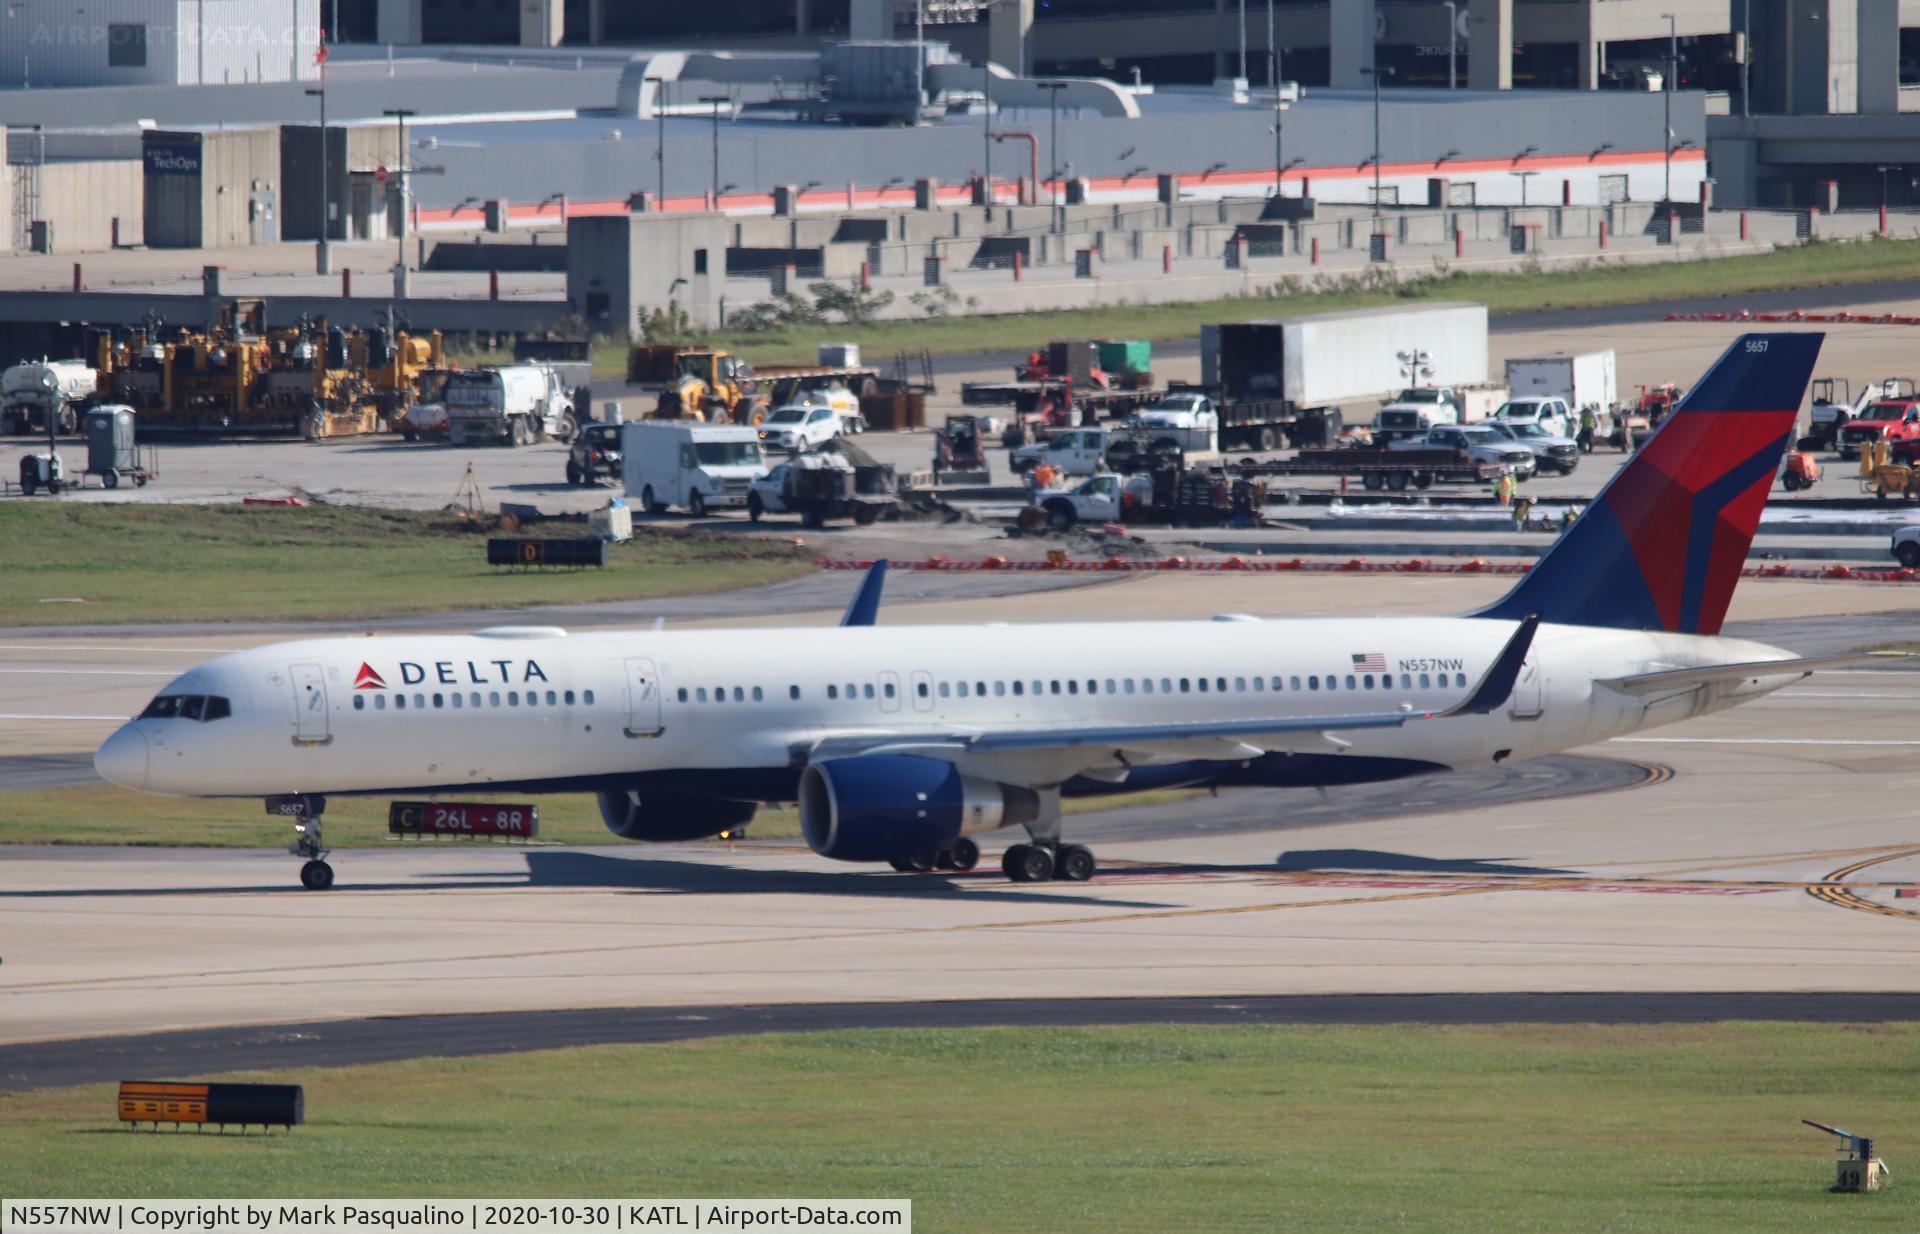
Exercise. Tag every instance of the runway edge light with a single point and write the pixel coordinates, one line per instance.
(1858, 1169)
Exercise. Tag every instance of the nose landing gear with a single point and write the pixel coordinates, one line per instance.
(316, 874)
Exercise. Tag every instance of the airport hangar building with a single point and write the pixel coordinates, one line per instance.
(519, 144)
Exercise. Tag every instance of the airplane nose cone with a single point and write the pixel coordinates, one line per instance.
(122, 759)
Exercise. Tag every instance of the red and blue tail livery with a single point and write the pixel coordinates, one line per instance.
(1661, 547)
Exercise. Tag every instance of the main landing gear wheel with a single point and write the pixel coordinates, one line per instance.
(964, 855)
(316, 875)
(914, 865)
(1073, 864)
(1037, 863)
(1028, 863)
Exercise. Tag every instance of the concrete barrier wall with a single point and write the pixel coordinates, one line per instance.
(85, 198)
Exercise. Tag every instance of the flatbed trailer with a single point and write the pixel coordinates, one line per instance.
(1384, 468)
(1030, 396)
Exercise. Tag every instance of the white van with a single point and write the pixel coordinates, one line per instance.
(682, 463)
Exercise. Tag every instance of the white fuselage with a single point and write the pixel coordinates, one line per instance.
(533, 708)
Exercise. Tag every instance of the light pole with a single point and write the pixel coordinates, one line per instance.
(400, 115)
(1673, 62)
(986, 127)
(1746, 57)
(716, 100)
(1053, 89)
(1524, 177)
(1273, 52)
(660, 149)
(1243, 40)
(1279, 165)
(322, 258)
(1376, 72)
(1453, 41)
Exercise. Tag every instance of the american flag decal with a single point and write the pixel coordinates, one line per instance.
(1371, 662)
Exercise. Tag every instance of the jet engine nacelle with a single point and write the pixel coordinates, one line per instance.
(885, 807)
(662, 817)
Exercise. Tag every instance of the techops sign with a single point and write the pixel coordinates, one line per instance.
(172, 158)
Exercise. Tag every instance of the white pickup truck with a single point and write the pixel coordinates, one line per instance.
(1075, 452)
(1550, 413)
(1481, 443)
(1906, 547)
(1099, 499)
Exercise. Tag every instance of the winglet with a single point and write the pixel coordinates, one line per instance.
(1497, 686)
(865, 609)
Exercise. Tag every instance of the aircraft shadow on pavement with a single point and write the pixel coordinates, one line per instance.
(1374, 861)
(707, 878)
(291, 886)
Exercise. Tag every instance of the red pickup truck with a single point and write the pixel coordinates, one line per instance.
(1895, 421)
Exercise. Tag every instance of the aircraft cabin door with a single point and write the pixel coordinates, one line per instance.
(923, 691)
(311, 722)
(889, 691)
(643, 700)
(1528, 702)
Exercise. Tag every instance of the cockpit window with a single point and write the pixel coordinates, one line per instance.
(201, 707)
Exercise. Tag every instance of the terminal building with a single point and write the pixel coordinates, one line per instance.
(1808, 56)
(838, 119)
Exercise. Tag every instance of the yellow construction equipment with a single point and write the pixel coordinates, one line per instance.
(239, 377)
(395, 364)
(697, 383)
(1884, 479)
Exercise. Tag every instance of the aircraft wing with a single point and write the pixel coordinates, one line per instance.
(1687, 678)
(1216, 738)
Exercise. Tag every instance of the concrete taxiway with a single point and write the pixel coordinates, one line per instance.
(1770, 849)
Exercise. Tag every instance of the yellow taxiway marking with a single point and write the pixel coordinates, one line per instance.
(1835, 890)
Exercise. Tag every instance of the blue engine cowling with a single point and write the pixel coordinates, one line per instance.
(886, 807)
(666, 817)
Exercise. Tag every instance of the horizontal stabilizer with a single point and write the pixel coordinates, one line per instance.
(1686, 678)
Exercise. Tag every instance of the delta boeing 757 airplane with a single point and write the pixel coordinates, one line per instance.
(903, 744)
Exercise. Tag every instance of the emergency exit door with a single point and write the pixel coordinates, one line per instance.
(643, 700)
(311, 724)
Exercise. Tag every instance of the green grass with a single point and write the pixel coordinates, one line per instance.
(97, 564)
(1821, 264)
(1407, 1128)
(95, 814)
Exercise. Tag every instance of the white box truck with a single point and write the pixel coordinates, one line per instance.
(512, 405)
(1289, 376)
(700, 467)
(1585, 380)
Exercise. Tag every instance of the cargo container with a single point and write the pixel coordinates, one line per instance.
(1124, 357)
(1288, 377)
(1585, 380)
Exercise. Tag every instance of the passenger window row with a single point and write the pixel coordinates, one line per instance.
(473, 700)
(854, 691)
